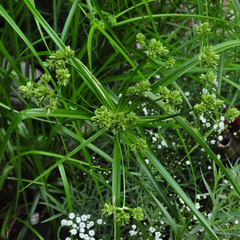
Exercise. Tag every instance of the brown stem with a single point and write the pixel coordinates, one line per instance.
(229, 146)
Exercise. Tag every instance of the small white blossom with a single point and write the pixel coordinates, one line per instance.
(197, 206)
(187, 162)
(225, 181)
(212, 142)
(73, 231)
(82, 225)
(158, 234)
(215, 126)
(209, 167)
(133, 233)
(152, 229)
(134, 226)
(218, 156)
(220, 138)
(82, 230)
(91, 233)
(78, 219)
(99, 221)
(208, 125)
(71, 215)
(209, 215)
(236, 222)
(64, 222)
(187, 94)
(147, 161)
(69, 223)
(84, 217)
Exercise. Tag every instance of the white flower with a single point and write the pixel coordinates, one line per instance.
(84, 217)
(73, 231)
(152, 229)
(88, 216)
(154, 139)
(204, 90)
(64, 222)
(187, 94)
(197, 205)
(194, 217)
(133, 233)
(134, 226)
(159, 146)
(91, 223)
(74, 225)
(181, 201)
(147, 161)
(69, 222)
(86, 237)
(215, 126)
(187, 162)
(209, 215)
(67, 238)
(78, 219)
(173, 143)
(218, 156)
(71, 215)
(225, 181)
(81, 235)
(209, 167)
(158, 234)
(212, 142)
(198, 196)
(208, 124)
(99, 221)
(236, 222)
(82, 230)
(82, 225)
(163, 143)
(91, 233)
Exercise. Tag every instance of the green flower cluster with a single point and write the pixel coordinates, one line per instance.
(203, 28)
(40, 92)
(116, 121)
(231, 114)
(140, 89)
(209, 77)
(171, 97)
(139, 146)
(57, 61)
(155, 49)
(208, 58)
(122, 217)
(208, 104)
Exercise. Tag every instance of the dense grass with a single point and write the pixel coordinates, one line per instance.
(63, 161)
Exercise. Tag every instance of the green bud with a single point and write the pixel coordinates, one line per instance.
(139, 146)
(122, 218)
(28, 90)
(208, 58)
(132, 118)
(103, 118)
(108, 209)
(63, 76)
(45, 78)
(203, 28)
(112, 20)
(138, 214)
(209, 77)
(232, 113)
(170, 62)
(141, 39)
(140, 89)
(156, 49)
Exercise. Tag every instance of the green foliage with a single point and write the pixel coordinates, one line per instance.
(150, 70)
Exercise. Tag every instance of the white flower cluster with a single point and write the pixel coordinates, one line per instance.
(81, 225)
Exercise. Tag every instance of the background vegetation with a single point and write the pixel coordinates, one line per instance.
(105, 138)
